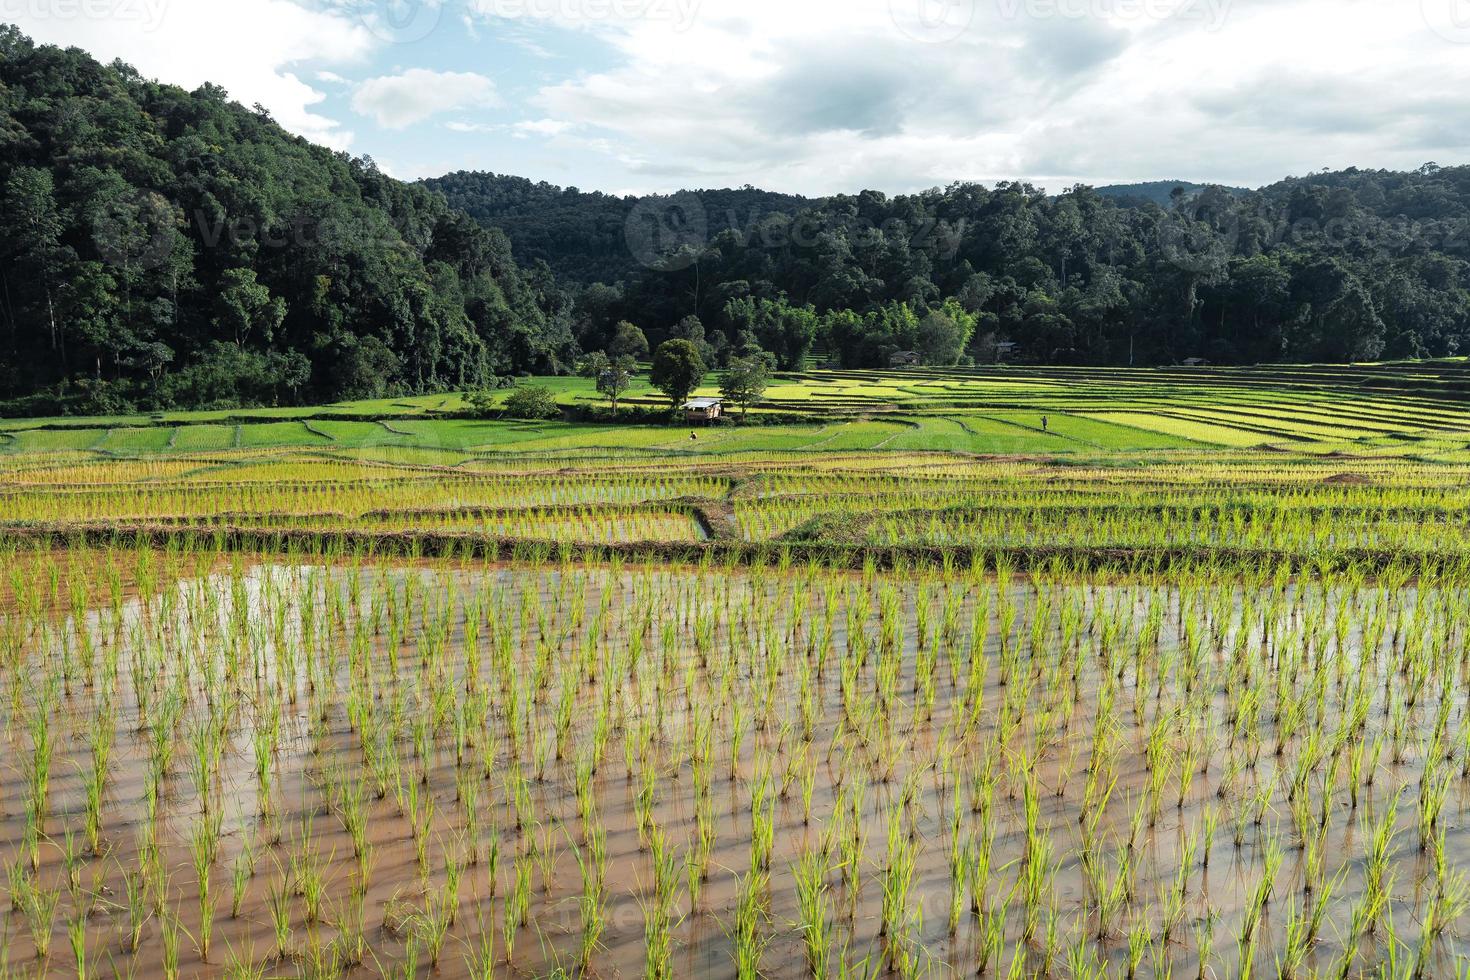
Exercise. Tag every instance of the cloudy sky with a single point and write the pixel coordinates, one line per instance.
(819, 96)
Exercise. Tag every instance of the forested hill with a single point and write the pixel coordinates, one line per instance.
(160, 247)
(1160, 192)
(1330, 267)
(583, 235)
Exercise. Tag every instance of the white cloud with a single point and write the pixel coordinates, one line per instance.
(541, 127)
(461, 126)
(818, 97)
(397, 101)
(247, 46)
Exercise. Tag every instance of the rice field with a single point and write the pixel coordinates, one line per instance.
(1403, 409)
(929, 689)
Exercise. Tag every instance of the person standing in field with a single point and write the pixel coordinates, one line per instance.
(1045, 423)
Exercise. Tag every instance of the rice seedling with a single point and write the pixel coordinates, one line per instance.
(76, 932)
(38, 905)
(203, 847)
(899, 913)
(278, 904)
(591, 902)
(137, 908)
(170, 932)
(963, 707)
(241, 964)
(814, 909)
(432, 925)
(350, 918)
(747, 931)
(517, 905)
(479, 958)
(241, 874)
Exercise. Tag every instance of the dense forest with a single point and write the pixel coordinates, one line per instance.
(169, 248)
(584, 235)
(164, 248)
(1160, 192)
(1330, 267)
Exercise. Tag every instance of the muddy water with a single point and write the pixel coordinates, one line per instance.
(660, 653)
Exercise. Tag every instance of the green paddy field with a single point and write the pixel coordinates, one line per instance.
(892, 680)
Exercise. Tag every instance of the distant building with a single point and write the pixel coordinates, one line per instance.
(1005, 349)
(1196, 362)
(702, 409)
(904, 358)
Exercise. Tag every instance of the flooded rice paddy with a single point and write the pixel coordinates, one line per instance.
(215, 765)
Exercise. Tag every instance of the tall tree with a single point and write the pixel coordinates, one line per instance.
(246, 306)
(627, 341)
(33, 250)
(745, 382)
(677, 370)
(612, 375)
(140, 225)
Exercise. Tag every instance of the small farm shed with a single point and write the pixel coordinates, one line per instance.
(702, 409)
(1195, 362)
(904, 358)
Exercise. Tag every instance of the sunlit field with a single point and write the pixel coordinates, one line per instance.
(920, 688)
(1419, 409)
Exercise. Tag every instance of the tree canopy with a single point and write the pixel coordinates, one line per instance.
(161, 248)
(612, 375)
(167, 248)
(745, 381)
(677, 370)
(1328, 267)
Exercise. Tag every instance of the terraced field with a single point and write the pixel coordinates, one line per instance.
(911, 685)
(1417, 409)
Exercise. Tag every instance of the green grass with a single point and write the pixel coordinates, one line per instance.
(279, 434)
(191, 438)
(1407, 409)
(57, 440)
(858, 435)
(130, 441)
(1105, 435)
(1202, 432)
